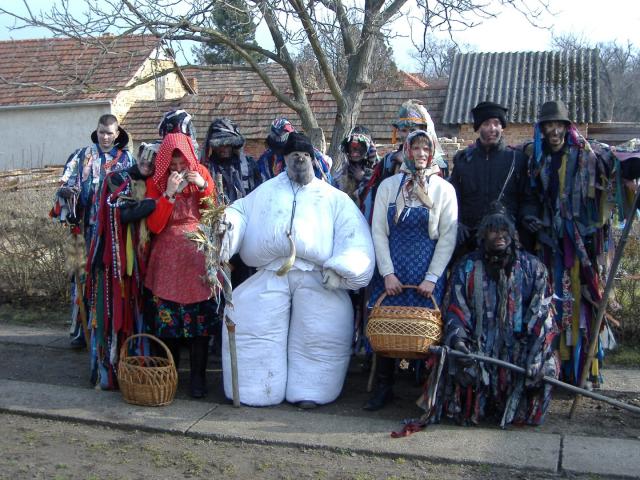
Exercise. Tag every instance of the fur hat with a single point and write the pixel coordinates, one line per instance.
(486, 110)
(554, 111)
(298, 142)
(222, 132)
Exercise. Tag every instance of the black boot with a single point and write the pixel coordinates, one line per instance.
(383, 393)
(173, 344)
(199, 353)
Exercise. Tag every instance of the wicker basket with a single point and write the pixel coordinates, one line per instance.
(403, 332)
(145, 380)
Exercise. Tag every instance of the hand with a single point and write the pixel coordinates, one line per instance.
(356, 171)
(330, 279)
(392, 286)
(463, 233)
(426, 288)
(194, 177)
(532, 223)
(173, 182)
(461, 346)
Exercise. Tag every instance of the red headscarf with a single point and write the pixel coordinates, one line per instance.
(170, 143)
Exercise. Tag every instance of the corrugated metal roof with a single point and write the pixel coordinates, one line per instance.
(523, 81)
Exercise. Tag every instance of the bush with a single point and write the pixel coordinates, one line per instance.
(32, 258)
(627, 292)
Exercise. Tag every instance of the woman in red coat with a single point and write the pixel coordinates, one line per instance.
(180, 307)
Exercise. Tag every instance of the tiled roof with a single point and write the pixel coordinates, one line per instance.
(523, 81)
(61, 70)
(254, 112)
(236, 79)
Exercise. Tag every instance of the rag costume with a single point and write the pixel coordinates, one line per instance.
(500, 314)
(77, 201)
(414, 234)
(117, 261)
(575, 188)
(271, 162)
(180, 304)
(293, 333)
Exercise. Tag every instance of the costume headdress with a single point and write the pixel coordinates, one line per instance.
(222, 132)
(278, 134)
(360, 136)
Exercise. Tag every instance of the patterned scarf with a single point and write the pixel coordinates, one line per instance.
(416, 182)
(170, 143)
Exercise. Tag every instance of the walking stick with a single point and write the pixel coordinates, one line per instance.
(602, 308)
(231, 330)
(553, 381)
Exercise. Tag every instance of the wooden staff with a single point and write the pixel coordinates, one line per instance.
(553, 381)
(231, 330)
(597, 322)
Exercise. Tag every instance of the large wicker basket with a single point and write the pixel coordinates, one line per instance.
(403, 332)
(146, 380)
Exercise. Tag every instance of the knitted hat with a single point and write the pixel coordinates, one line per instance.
(486, 110)
(298, 142)
(280, 130)
(222, 132)
(554, 111)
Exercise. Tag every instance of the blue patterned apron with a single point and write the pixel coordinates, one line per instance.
(411, 251)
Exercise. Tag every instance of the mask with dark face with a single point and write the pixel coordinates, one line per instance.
(299, 167)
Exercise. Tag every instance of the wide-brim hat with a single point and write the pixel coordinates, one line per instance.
(121, 141)
(554, 111)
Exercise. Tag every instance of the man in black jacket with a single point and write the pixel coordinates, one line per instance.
(486, 172)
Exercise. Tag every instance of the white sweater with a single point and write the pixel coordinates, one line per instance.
(443, 223)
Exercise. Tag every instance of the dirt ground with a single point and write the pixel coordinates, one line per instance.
(45, 449)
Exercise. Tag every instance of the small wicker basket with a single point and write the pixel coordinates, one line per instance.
(146, 380)
(403, 332)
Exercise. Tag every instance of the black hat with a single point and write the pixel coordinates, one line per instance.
(486, 110)
(298, 142)
(223, 131)
(554, 111)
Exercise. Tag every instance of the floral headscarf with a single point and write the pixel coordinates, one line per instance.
(170, 143)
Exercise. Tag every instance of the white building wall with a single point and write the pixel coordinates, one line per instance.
(36, 137)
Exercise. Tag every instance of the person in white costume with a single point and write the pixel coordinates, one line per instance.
(294, 326)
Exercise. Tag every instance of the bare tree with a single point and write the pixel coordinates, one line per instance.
(435, 56)
(621, 62)
(361, 24)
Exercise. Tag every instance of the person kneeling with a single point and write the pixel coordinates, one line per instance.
(499, 308)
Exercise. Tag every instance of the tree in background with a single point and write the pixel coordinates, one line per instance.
(435, 56)
(621, 62)
(233, 18)
(292, 24)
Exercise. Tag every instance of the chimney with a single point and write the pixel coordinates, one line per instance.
(193, 83)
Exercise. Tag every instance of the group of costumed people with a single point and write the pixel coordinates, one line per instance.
(510, 244)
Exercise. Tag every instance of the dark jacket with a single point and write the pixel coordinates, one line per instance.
(479, 176)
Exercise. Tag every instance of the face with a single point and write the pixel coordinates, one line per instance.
(420, 152)
(107, 135)
(178, 163)
(146, 167)
(554, 133)
(223, 152)
(299, 167)
(497, 240)
(356, 152)
(490, 132)
(404, 131)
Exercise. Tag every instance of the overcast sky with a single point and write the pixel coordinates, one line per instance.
(596, 20)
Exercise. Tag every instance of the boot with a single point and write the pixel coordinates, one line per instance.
(173, 344)
(199, 354)
(383, 392)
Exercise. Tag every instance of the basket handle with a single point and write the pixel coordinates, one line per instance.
(123, 348)
(384, 295)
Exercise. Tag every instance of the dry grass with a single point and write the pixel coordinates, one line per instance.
(31, 248)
